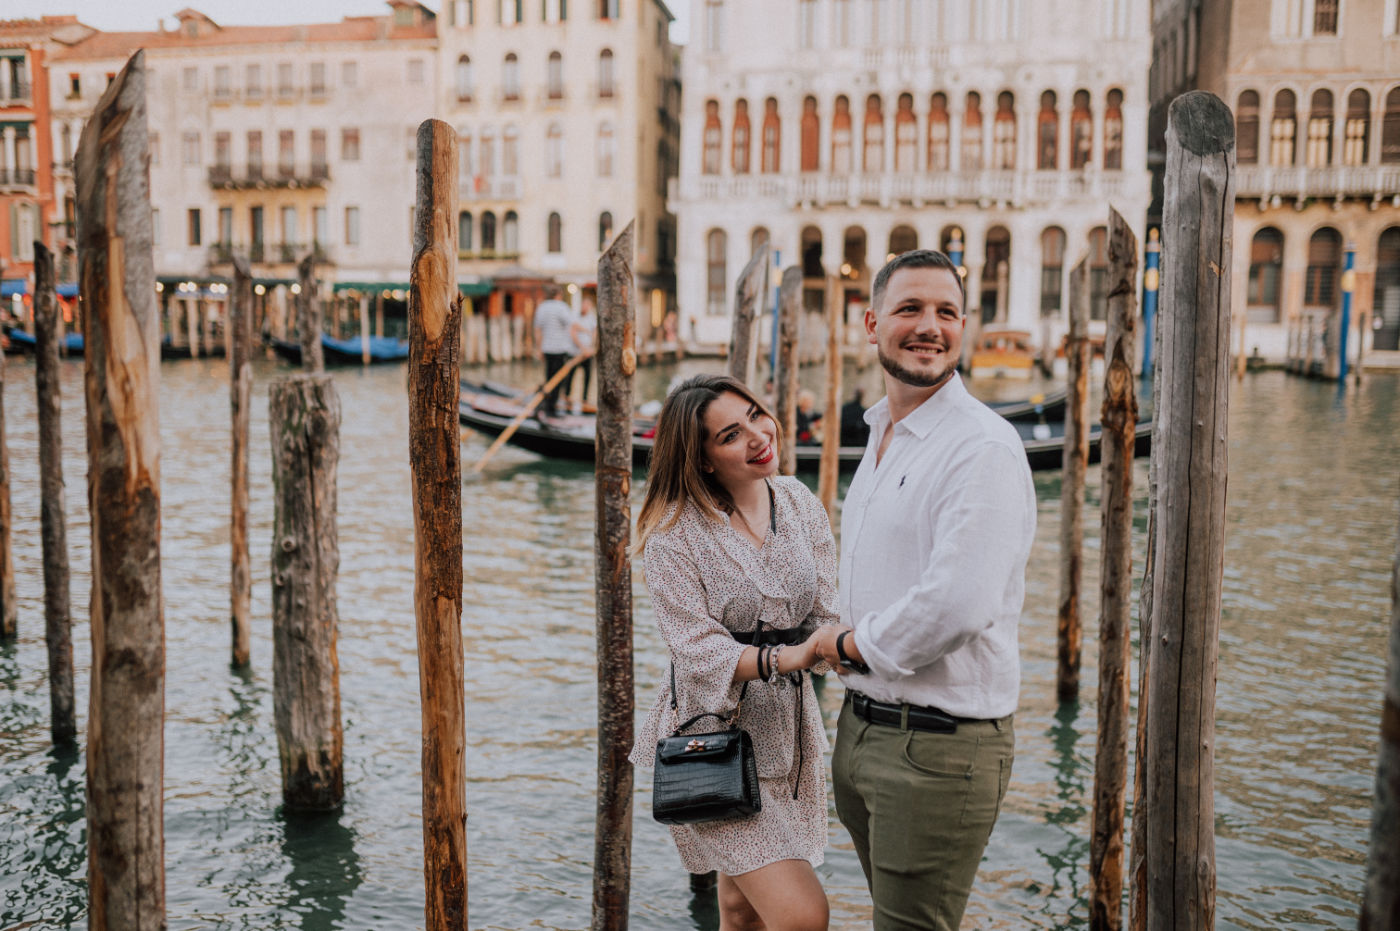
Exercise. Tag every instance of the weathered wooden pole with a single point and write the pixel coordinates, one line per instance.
(53, 523)
(192, 326)
(126, 714)
(240, 347)
(785, 375)
(1119, 419)
(1076, 463)
(748, 292)
(434, 452)
(830, 469)
(363, 303)
(304, 417)
(1188, 445)
(1380, 903)
(612, 540)
(309, 316)
(9, 613)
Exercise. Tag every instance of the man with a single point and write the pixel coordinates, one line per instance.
(554, 342)
(854, 430)
(935, 532)
(584, 334)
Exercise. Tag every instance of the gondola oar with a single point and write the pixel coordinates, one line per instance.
(528, 410)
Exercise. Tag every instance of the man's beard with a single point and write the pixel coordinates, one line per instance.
(917, 379)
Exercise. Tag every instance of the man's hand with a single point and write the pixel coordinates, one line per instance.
(824, 641)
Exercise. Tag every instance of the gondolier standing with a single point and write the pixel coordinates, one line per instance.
(553, 342)
(935, 533)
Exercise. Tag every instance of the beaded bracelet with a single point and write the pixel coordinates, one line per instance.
(773, 672)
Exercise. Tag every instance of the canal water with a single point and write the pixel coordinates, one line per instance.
(1311, 535)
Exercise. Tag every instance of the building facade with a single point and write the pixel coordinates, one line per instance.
(1315, 89)
(846, 131)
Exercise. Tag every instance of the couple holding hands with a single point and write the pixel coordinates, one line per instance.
(920, 621)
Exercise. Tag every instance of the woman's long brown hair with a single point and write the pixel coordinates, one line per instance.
(674, 473)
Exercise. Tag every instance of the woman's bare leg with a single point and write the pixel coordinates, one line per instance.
(784, 896)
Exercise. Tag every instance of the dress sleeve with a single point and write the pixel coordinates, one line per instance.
(826, 606)
(704, 652)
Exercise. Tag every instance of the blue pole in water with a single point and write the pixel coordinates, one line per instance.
(775, 276)
(1151, 281)
(1348, 285)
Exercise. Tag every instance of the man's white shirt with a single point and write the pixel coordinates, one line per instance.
(934, 542)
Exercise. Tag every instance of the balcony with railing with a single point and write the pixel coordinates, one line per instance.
(278, 253)
(17, 178)
(1019, 188)
(20, 92)
(1327, 182)
(495, 187)
(224, 178)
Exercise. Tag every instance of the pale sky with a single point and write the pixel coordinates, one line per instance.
(143, 15)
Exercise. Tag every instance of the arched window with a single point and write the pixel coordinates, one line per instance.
(510, 234)
(996, 271)
(739, 159)
(716, 277)
(1265, 276)
(554, 76)
(1386, 295)
(811, 135)
(1052, 270)
(873, 136)
(812, 253)
(938, 134)
(464, 231)
(1081, 132)
(554, 151)
(1247, 128)
(906, 134)
(510, 151)
(510, 77)
(1324, 263)
(972, 133)
(1356, 146)
(709, 162)
(1004, 132)
(1113, 131)
(1284, 129)
(758, 238)
(488, 232)
(464, 78)
(1098, 273)
(605, 229)
(1320, 129)
(555, 233)
(841, 137)
(1047, 131)
(605, 73)
(1390, 128)
(772, 137)
(902, 239)
(605, 150)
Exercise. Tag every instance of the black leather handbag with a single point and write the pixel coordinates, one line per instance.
(705, 777)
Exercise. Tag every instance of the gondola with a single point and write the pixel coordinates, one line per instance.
(20, 341)
(169, 349)
(346, 351)
(571, 436)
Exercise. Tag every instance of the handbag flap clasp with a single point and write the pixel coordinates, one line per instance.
(698, 746)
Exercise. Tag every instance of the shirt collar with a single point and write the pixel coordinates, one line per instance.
(926, 416)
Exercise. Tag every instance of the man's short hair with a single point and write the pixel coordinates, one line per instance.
(916, 258)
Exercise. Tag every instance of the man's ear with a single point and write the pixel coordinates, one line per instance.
(870, 319)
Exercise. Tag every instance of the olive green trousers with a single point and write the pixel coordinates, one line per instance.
(920, 807)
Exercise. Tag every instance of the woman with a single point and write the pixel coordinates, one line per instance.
(729, 547)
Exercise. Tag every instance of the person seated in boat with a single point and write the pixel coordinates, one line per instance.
(741, 566)
(809, 419)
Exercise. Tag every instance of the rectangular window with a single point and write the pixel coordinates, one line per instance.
(255, 159)
(252, 80)
(318, 154)
(189, 148)
(223, 151)
(286, 153)
(349, 74)
(1325, 18)
(806, 23)
(714, 25)
(284, 79)
(75, 86)
(289, 225)
(223, 81)
(415, 71)
(320, 225)
(194, 226)
(225, 226)
(189, 80)
(352, 226)
(318, 78)
(350, 145)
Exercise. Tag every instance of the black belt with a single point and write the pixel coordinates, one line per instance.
(919, 718)
(770, 636)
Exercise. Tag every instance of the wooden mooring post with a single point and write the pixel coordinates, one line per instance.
(126, 713)
(1189, 449)
(829, 470)
(240, 346)
(612, 540)
(785, 373)
(53, 522)
(9, 612)
(435, 459)
(304, 417)
(748, 293)
(1119, 419)
(1076, 463)
(309, 316)
(1380, 903)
